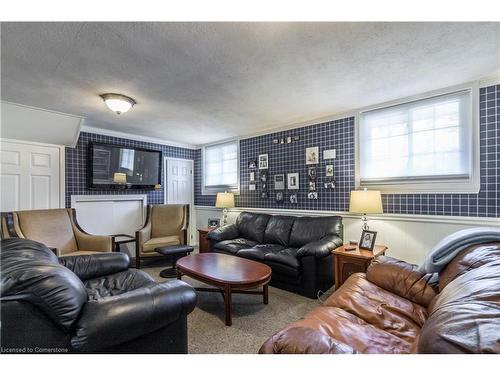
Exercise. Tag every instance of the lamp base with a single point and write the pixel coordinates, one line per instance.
(365, 222)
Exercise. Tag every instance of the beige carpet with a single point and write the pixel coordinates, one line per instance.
(253, 322)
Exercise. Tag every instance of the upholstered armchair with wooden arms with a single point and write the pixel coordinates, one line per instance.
(58, 229)
(166, 225)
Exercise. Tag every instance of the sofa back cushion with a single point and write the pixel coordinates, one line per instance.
(51, 227)
(278, 229)
(310, 229)
(465, 316)
(252, 226)
(31, 272)
(468, 259)
(168, 219)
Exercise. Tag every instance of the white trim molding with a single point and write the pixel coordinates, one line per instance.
(135, 137)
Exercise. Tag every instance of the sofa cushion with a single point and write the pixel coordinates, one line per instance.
(342, 327)
(252, 226)
(382, 309)
(278, 229)
(32, 272)
(233, 246)
(465, 316)
(117, 283)
(473, 257)
(286, 257)
(310, 229)
(150, 245)
(258, 252)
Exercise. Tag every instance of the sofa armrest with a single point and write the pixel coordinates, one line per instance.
(227, 232)
(114, 320)
(96, 265)
(403, 279)
(304, 340)
(321, 248)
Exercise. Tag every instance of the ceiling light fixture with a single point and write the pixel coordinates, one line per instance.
(118, 103)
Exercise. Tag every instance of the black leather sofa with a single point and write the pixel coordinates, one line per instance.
(298, 249)
(88, 303)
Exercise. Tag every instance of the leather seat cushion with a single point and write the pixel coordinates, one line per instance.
(287, 257)
(350, 330)
(117, 283)
(380, 308)
(258, 252)
(233, 246)
(278, 229)
(150, 245)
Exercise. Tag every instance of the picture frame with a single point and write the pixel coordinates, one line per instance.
(263, 176)
(251, 187)
(312, 185)
(279, 182)
(213, 223)
(293, 181)
(367, 241)
(311, 172)
(293, 198)
(312, 155)
(264, 194)
(252, 164)
(252, 176)
(279, 197)
(329, 170)
(263, 161)
(312, 195)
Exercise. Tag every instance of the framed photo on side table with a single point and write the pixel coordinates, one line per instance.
(213, 223)
(367, 240)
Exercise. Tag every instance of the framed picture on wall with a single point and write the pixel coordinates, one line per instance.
(293, 181)
(263, 161)
(312, 155)
(279, 182)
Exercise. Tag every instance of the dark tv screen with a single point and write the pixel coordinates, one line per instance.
(114, 167)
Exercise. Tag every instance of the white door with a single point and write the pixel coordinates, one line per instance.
(179, 187)
(179, 181)
(29, 176)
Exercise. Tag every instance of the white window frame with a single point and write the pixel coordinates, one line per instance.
(471, 185)
(214, 190)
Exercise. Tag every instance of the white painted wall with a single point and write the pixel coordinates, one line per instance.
(409, 237)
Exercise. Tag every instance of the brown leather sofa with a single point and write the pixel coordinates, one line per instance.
(394, 308)
(166, 225)
(56, 228)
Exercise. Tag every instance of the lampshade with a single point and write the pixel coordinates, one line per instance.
(224, 200)
(118, 103)
(366, 202)
(120, 178)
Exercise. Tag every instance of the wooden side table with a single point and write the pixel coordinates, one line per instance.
(352, 261)
(203, 241)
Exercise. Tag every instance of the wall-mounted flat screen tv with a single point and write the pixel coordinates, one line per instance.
(120, 167)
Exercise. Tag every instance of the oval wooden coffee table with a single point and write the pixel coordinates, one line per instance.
(229, 274)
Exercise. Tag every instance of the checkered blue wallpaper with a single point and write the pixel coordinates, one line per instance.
(290, 158)
(76, 165)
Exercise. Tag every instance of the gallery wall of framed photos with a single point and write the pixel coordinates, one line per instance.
(288, 169)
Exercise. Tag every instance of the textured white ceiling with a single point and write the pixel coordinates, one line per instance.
(201, 82)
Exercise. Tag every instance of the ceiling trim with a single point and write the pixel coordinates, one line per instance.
(135, 137)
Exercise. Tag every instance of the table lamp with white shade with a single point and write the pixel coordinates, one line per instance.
(365, 202)
(224, 201)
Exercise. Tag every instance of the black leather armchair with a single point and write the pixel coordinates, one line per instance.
(298, 249)
(90, 303)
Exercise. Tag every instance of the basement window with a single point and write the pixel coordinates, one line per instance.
(424, 145)
(221, 168)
